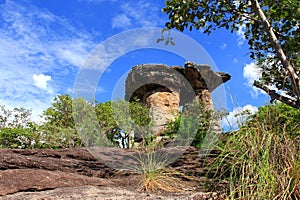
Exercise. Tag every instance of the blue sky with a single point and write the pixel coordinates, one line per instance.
(44, 44)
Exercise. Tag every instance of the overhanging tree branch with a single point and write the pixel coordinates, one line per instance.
(267, 19)
(279, 51)
(274, 95)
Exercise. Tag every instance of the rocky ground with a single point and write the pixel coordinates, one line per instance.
(77, 174)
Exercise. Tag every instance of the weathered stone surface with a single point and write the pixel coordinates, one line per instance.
(105, 193)
(202, 76)
(205, 96)
(74, 174)
(151, 83)
(15, 180)
(164, 106)
(142, 80)
(78, 160)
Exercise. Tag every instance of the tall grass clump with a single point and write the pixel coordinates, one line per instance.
(151, 163)
(262, 159)
(154, 176)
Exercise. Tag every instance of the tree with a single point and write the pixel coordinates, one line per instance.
(108, 124)
(112, 126)
(122, 122)
(17, 130)
(59, 128)
(14, 118)
(271, 28)
(60, 114)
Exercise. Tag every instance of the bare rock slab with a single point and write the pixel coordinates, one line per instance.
(16, 180)
(103, 193)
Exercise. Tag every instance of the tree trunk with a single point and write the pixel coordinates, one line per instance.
(279, 51)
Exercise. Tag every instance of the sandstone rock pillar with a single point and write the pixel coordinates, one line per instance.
(164, 89)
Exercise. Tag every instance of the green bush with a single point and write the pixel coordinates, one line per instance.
(262, 159)
(279, 118)
(21, 137)
(116, 123)
(120, 119)
(191, 126)
(60, 130)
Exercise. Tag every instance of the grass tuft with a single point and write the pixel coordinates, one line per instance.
(161, 180)
(156, 176)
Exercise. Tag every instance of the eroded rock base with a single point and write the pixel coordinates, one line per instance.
(75, 174)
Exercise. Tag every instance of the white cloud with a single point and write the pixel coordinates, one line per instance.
(36, 42)
(41, 81)
(240, 34)
(121, 21)
(251, 73)
(237, 117)
(137, 13)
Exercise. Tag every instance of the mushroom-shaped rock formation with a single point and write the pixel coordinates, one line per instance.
(164, 89)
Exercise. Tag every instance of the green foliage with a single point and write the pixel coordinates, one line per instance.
(86, 123)
(106, 120)
(278, 118)
(139, 113)
(208, 15)
(60, 114)
(14, 118)
(59, 129)
(283, 16)
(122, 121)
(262, 159)
(114, 125)
(21, 137)
(191, 126)
(17, 130)
(118, 123)
(59, 137)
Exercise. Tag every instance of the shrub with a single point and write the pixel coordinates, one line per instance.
(21, 137)
(262, 159)
(191, 126)
(279, 118)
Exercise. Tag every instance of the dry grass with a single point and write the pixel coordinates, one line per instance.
(157, 177)
(162, 181)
